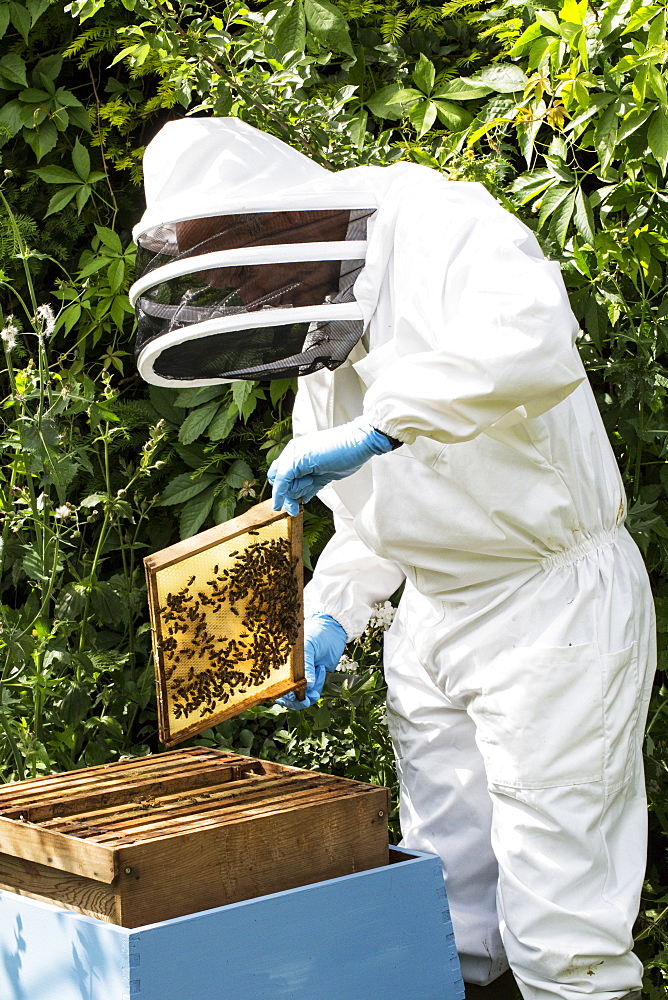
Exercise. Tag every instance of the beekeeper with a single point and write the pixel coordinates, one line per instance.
(444, 415)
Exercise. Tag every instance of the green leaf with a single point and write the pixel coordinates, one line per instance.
(614, 17)
(657, 137)
(94, 265)
(13, 68)
(657, 83)
(328, 25)
(20, 18)
(422, 117)
(40, 565)
(605, 137)
(357, 128)
(291, 35)
(452, 116)
(109, 238)
(548, 19)
(10, 119)
(504, 78)
(68, 100)
(221, 426)
(4, 19)
(197, 422)
(239, 473)
(48, 68)
(200, 394)
(279, 387)
(75, 706)
(53, 174)
(633, 121)
(424, 76)
(71, 601)
(107, 604)
(640, 17)
(462, 89)
(243, 394)
(573, 12)
(164, 403)
(195, 512)
(391, 101)
(83, 194)
(36, 8)
(33, 96)
(584, 216)
(116, 274)
(528, 186)
(526, 39)
(81, 160)
(184, 487)
(561, 218)
(41, 140)
(552, 200)
(94, 499)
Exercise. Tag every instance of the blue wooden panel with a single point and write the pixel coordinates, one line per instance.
(47, 953)
(378, 935)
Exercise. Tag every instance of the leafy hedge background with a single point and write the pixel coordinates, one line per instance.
(560, 109)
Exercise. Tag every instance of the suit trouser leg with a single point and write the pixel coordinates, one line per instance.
(565, 846)
(444, 804)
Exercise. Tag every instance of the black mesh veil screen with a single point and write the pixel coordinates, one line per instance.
(268, 350)
(286, 351)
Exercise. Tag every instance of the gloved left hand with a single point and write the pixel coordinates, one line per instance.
(324, 642)
(308, 463)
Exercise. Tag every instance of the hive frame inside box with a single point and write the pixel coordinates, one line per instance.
(384, 934)
(260, 520)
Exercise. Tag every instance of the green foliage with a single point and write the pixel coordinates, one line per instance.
(560, 110)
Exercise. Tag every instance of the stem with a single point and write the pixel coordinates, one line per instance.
(648, 930)
(93, 576)
(13, 746)
(23, 255)
(104, 159)
(639, 451)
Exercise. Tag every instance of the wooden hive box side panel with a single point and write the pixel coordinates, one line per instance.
(253, 856)
(58, 850)
(50, 885)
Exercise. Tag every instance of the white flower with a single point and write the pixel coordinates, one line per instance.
(9, 334)
(383, 616)
(347, 665)
(45, 314)
(63, 511)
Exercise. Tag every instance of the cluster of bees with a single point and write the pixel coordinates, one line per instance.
(261, 589)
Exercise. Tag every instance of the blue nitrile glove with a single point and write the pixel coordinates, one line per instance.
(308, 463)
(324, 642)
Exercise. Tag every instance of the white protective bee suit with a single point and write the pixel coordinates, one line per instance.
(520, 660)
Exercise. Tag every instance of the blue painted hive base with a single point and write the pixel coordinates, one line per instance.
(383, 934)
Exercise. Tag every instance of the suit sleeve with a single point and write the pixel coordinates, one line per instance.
(349, 579)
(484, 333)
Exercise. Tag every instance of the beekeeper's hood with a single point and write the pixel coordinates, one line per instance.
(248, 252)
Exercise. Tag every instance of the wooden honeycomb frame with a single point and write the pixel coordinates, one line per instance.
(219, 603)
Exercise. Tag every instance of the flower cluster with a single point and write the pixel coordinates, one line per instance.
(9, 334)
(347, 665)
(383, 616)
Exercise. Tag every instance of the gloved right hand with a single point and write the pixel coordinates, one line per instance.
(324, 642)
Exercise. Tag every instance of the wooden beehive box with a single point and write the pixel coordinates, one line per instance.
(160, 837)
(226, 619)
